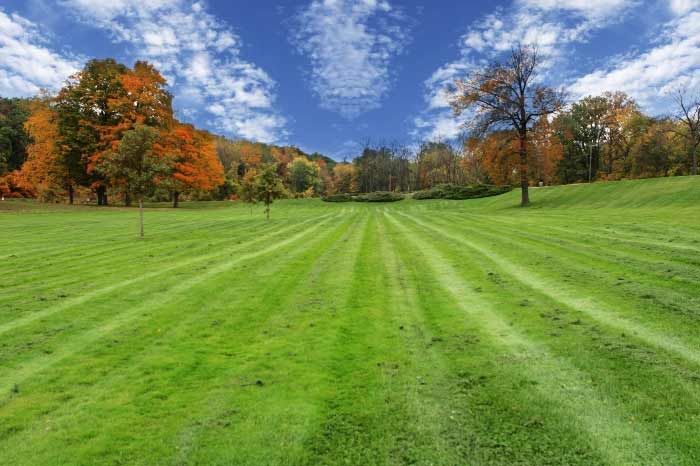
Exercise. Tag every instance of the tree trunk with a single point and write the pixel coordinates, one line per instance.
(695, 160)
(176, 199)
(127, 199)
(141, 217)
(524, 183)
(101, 195)
(71, 194)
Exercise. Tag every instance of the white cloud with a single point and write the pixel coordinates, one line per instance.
(588, 8)
(649, 76)
(437, 126)
(200, 57)
(350, 45)
(27, 64)
(681, 7)
(552, 25)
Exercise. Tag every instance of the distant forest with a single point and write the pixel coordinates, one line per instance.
(53, 147)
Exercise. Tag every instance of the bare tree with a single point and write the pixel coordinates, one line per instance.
(688, 116)
(508, 95)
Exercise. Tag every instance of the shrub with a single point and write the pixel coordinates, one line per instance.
(379, 196)
(452, 191)
(338, 198)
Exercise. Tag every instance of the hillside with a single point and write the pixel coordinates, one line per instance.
(675, 193)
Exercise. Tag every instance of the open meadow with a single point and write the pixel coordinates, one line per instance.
(417, 332)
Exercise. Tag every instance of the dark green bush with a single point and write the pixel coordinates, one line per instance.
(378, 196)
(452, 191)
(338, 198)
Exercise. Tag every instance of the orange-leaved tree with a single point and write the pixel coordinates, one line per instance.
(144, 100)
(44, 174)
(192, 155)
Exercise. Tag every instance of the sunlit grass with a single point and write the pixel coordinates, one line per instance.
(420, 332)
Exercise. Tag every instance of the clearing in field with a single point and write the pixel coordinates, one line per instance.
(418, 332)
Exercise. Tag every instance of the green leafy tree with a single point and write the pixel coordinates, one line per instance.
(13, 137)
(247, 189)
(269, 186)
(303, 175)
(84, 113)
(135, 164)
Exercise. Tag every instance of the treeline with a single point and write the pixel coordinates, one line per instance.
(302, 174)
(605, 137)
(54, 147)
(67, 145)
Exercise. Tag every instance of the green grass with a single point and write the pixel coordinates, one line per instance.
(415, 333)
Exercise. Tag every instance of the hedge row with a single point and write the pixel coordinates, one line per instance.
(379, 196)
(452, 191)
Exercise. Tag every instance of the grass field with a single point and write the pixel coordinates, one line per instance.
(420, 332)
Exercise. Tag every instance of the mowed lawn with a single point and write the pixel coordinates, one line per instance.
(420, 332)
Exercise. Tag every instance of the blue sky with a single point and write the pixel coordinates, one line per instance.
(328, 75)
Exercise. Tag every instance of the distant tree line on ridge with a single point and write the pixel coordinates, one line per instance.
(57, 147)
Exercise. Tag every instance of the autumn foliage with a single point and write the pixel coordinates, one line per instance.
(73, 132)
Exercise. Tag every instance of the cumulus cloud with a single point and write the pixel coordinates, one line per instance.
(27, 63)
(552, 25)
(350, 45)
(200, 57)
(649, 76)
(681, 7)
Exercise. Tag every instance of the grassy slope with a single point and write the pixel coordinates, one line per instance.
(421, 332)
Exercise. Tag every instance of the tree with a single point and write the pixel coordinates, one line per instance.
(438, 163)
(500, 156)
(194, 162)
(85, 107)
(134, 163)
(590, 117)
(269, 186)
(303, 175)
(344, 178)
(247, 189)
(688, 117)
(13, 137)
(652, 151)
(547, 151)
(507, 95)
(43, 173)
(622, 109)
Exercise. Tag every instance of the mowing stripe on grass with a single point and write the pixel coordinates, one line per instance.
(301, 322)
(125, 317)
(597, 416)
(588, 306)
(233, 353)
(8, 326)
(30, 265)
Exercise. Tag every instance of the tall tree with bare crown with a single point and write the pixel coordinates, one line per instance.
(508, 95)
